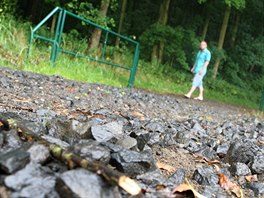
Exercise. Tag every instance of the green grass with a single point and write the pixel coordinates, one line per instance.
(91, 72)
(86, 71)
(151, 77)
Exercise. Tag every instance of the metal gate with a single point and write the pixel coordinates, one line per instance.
(56, 42)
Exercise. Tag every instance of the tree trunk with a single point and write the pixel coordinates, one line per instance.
(121, 21)
(53, 23)
(157, 50)
(34, 11)
(96, 35)
(222, 39)
(206, 24)
(154, 54)
(161, 50)
(251, 68)
(234, 32)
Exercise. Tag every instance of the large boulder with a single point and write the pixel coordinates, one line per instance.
(32, 181)
(82, 183)
(108, 131)
(14, 160)
(242, 151)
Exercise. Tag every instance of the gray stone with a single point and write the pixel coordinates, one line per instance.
(13, 160)
(205, 176)
(178, 177)
(45, 114)
(198, 130)
(142, 137)
(33, 127)
(168, 139)
(192, 146)
(106, 132)
(2, 138)
(155, 126)
(82, 183)
(184, 137)
(208, 152)
(258, 188)
(32, 181)
(53, 140)
(240, 169)
(39, 153)
(257, 166)
(91, 150)
(82, 128)
(242, 151)
(214, 191)
(61, 128)
(127, 142)
(132, 162)
(261, 177)
(12, 140)
(152, 178)
(222, 150)
(154, 138)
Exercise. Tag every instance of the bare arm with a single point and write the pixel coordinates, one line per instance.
(204, 67)
(193, 67)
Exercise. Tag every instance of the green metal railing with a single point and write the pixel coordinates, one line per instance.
(261, 106)
(56, 42)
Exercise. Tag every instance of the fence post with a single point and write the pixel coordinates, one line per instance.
(134, 67)
(105, 43)
(60, 34)
(54, 46)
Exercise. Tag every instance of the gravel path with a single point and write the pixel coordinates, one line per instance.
(182, 133)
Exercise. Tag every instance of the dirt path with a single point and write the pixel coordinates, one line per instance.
(30, 95)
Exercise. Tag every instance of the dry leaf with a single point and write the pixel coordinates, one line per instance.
(160, 187)
(212, 162)
(129, 185)
(137, 114)
(226, 184)
(184, 188)
(251, 178)
(1, 124)
(70, 89)
(217, 168)
(203, 159)
(260, 142)
(164, 166)
(237, 191)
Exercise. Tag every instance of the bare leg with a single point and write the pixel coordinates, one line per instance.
(201, 92)
(189, 94)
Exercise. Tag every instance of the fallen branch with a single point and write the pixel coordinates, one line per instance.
(72, 160)
(5, 105)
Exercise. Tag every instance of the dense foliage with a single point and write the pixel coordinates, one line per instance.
(174, 33)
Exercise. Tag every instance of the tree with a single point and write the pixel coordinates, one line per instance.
(235, 29)
(238, 4)
(208, 10)
(121, 20)
(96, 35)
(157, 51)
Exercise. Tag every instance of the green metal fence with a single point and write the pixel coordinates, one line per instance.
(261, 106)
(56, 42)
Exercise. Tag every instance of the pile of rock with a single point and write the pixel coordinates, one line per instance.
(126, 131)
